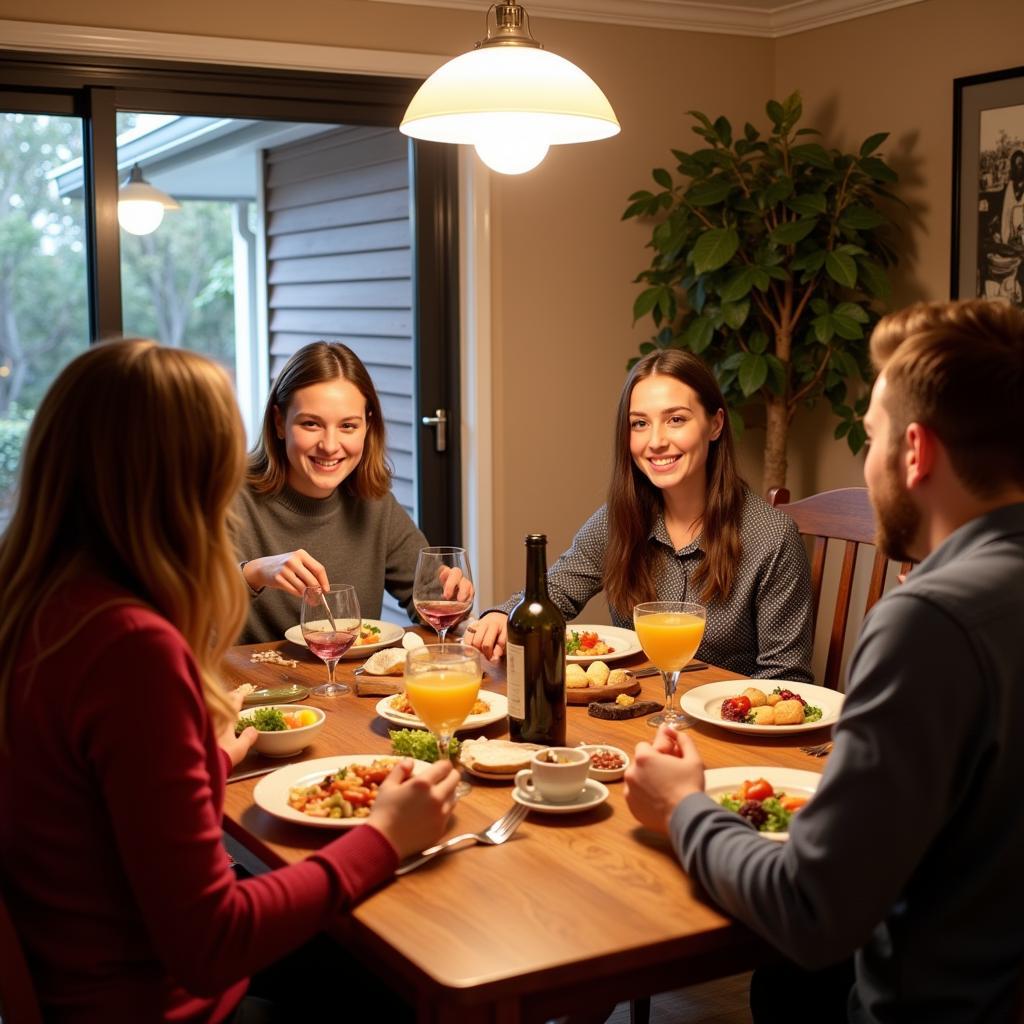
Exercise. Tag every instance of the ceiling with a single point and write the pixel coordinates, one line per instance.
(766, 18)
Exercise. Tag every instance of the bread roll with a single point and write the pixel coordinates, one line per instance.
(597, 673)
(757, 697)
(763, 715)
(618, 677)
(789, 712)
(575, 677)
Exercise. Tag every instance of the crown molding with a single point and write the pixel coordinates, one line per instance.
(109, 42)
(769, 21)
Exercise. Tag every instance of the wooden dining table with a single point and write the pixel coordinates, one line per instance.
(575, 912)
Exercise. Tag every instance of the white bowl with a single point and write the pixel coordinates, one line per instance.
(606, 774)
(287, 742)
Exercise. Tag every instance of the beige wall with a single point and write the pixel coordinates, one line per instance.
(563, 262)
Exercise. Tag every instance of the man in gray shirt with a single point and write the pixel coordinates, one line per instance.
(910, 854)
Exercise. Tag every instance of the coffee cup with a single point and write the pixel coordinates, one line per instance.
(556, 775)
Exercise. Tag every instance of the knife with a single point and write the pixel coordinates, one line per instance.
(253, 772)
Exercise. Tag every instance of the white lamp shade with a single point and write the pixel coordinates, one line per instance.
(506, 93)
(511, 155)
(140, 206)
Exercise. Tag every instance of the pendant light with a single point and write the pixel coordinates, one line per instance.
(140, 206)
(510, 98)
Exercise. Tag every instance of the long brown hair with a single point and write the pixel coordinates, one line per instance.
(313, 364)
(131, 465)
(634, 502)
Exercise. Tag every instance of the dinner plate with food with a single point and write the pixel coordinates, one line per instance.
(770, 707)
(327, 792)
(373, 635)
(768, 797)
(584, 644)
(489, 708)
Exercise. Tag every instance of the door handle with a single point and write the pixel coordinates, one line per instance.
(440, 424)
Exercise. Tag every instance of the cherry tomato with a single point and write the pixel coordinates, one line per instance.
(760, 789)
(734, 709)
(588, 640)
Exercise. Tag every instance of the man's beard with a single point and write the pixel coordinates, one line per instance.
(898, 521)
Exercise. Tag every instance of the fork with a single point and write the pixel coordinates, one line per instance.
(495, 834)
(819, 750)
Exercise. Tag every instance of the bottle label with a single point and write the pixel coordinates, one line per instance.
(515, 674)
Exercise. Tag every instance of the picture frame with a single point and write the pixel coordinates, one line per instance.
(988, 187)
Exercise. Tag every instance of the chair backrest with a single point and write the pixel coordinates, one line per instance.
(842, 515)
(18, 1003)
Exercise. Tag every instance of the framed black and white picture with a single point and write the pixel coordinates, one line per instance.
(988, 186)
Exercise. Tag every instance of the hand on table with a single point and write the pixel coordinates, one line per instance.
(411, 811)
(291, 571)
(236, 747)
(662, 774)
(489, 635)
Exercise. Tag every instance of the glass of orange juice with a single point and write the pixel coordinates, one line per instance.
(442, 682)
(670, 633)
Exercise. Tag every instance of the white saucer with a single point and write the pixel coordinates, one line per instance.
(593, 794)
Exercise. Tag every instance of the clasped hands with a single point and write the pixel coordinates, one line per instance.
(663, 773)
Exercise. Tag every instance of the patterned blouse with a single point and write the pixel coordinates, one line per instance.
(762, 629)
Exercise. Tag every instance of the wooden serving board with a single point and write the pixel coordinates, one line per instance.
(585, 694)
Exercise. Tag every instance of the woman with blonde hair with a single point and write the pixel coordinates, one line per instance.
(681, 525)
(317, 506)
(120, 592)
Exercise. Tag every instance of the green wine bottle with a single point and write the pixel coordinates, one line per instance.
(535, 657)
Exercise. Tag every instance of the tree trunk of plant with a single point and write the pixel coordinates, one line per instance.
(776, 435)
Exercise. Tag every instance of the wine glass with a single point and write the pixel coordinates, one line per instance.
(670, 633)
(442, 682)
(330, 623)
(437, 598)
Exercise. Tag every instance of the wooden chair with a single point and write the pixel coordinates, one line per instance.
(845, 515)
(18, 1003)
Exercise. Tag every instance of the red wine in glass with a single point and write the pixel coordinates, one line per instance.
(442, 614)
(328, 645)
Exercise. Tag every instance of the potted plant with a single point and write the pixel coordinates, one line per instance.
(769, 254)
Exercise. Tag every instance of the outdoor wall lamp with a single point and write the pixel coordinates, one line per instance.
(140, 206)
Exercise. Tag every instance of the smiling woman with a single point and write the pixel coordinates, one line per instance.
(681, 525)
(317, 508)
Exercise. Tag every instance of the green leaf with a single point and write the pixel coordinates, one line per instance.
(775, 112)
(846, 327)
(645, 302)
(724, 130)
(777, 273)
(812, 153)
(753, 372)
(750, 132)
(758, 342)
(698, 334)
(877, 169)
(812, 261)
(874, 278)
(856, 437)
(647, 346)
(776, 374)
(761, 279)
(793, 232)
(736, 313)
(872, 142)
(708, 193)
(662, 177)
(861, 218)
(808, 204)
(733, 362)
(853, 311)
(738, 285)
(714, 249)
(778, 190)
(823, 329)
(841, 268)
(642, 194)
(842, 429)
(635, 209)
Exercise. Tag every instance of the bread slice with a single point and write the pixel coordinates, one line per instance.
(496, 757)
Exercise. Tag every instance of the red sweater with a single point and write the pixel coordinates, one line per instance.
(110, 831)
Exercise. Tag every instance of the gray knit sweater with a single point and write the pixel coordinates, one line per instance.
(371, 544)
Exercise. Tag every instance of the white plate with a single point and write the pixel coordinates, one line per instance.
(705, 704)
(498, 703)
(593, 794)
(719, 782)
(271, 792)
(389, 634)
(625, 642)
